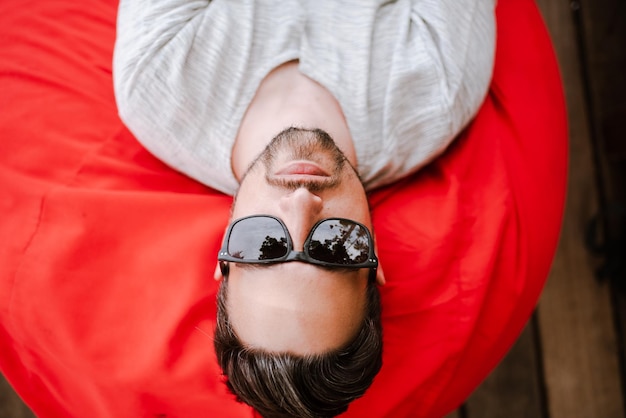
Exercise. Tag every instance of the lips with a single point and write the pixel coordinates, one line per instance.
(302, 168)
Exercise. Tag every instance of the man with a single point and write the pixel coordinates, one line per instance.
(300, 108)
(315, 342)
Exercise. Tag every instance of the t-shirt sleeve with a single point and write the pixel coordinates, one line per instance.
(409, 75)
(185, 71)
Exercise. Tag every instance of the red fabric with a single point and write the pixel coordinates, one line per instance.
(106, 255)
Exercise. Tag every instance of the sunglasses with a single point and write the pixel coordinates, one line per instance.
(331, 243)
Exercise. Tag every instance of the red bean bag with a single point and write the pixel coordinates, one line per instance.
(106, 255)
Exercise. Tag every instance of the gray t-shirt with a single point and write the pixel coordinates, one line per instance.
(408, 75)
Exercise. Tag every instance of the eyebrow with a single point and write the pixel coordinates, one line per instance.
(258, 266)
(252, 266)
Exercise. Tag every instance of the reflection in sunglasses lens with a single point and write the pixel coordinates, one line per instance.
(339, 242)
(258, 238)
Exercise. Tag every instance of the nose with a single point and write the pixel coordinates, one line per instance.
(300, 209)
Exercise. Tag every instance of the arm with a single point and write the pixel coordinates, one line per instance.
(185, 71)
(409, 74)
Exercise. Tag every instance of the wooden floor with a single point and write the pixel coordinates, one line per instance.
(569, 361)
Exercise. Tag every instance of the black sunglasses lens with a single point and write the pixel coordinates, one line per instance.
(258, 238)
(339, 241)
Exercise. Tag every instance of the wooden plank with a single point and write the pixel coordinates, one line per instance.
(581, 365)
(514, 388)
(603, 25)
(603, 42)
(11, 406)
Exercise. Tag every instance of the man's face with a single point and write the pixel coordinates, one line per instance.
(296, 307)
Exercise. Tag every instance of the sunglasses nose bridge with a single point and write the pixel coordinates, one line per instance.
(297, 256)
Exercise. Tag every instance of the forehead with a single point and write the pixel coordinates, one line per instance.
(295, 307)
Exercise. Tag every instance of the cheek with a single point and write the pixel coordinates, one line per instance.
(352, 208)
(251, 198)
(352, 200)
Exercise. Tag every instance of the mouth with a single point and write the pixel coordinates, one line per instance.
(302, 169)
(303, 173)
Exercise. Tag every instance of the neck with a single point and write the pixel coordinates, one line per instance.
(288, 98)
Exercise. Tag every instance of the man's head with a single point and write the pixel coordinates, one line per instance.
(296, 338)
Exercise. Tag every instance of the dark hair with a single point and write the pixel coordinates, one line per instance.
(309, 386)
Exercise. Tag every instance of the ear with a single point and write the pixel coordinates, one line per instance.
(217, 275)
(380, 274)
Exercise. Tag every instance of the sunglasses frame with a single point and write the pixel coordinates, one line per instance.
(224, 257)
